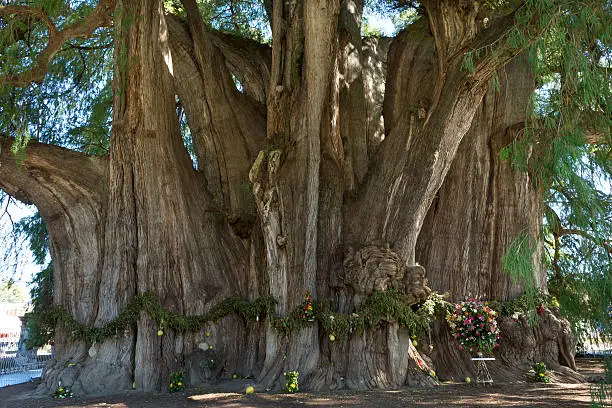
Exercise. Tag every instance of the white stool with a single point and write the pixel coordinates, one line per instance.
(482, 372)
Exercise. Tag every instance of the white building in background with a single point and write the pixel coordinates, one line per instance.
(11, 327)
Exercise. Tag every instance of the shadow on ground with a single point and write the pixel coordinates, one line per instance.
(445, 395)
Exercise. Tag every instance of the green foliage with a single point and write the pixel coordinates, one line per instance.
(370, 30)
(518, 262)
(379, 308)
(65, 108)
(291, 381)
(527, 304)
(41, 320)
(244, 19)
(176, 382)
(400, 13)
(601, 393)
(540, 373)
(35, 230)
(567, 148)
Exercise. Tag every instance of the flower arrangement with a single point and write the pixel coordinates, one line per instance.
(474, 325)
(308, 313)
(176, 382)
(541, 373)
(63, 392)
(291, 381)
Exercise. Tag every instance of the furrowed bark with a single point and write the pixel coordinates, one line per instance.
(228, 127)
(352, 103)
(68, 188)
(346, 146)
(70, 191)
(484, 203)
(286, 179)
(440, 103)
(158, 237)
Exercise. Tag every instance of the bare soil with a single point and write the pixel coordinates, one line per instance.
(449, 395)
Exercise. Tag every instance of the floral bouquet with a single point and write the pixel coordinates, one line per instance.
(473, 324)
(308, 314)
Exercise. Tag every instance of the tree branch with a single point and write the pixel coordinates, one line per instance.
(558, 231)
(51, 177)
(247, 59)
(100, 17)
(228, 127)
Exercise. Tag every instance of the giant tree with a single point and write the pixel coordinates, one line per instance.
(234, 168)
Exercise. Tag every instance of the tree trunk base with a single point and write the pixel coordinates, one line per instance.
(548, 340)
(100, 369)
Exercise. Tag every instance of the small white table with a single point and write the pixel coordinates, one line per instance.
(482, 372)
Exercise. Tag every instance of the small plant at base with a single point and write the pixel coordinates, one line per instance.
(63, 392)
(541, 373)
(291, 381)
(176, 382)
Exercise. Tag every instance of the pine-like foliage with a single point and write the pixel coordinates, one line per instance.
(567, 149)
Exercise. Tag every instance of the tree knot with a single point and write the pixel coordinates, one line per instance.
(376, 267)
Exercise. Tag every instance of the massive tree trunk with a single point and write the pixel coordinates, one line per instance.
(305, 181)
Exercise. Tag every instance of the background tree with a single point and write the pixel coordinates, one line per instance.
(9, 293)
(322, 161)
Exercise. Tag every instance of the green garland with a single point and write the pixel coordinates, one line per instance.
(525, 304)
(388, 306)
(148, 303)
(381, 306)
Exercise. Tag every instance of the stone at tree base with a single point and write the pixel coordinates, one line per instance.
(202, 367)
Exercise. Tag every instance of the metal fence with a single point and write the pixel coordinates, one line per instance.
(595, 345)
(17, 364)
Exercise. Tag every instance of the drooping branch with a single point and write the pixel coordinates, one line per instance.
(99, 17)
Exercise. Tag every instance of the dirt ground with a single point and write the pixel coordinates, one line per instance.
(446, 395)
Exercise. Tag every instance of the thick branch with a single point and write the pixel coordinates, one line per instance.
(100, 17)
(51, 177)
(247, 59)
(422, 134)
(228, 127)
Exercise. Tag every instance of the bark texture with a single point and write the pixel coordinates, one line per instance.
(337, 165)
